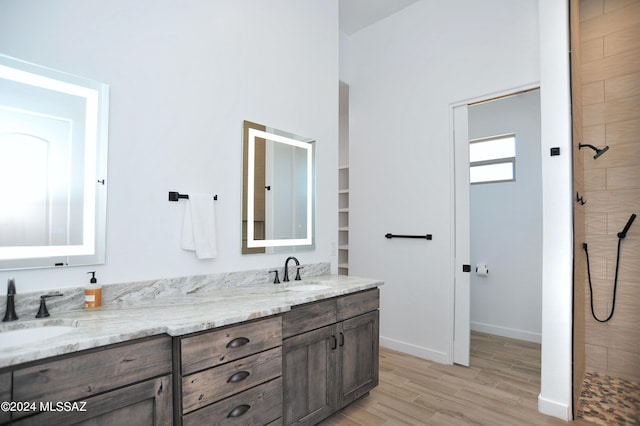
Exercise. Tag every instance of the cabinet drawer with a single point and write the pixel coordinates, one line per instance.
(358, 303)
(81, 376)
(308, 317)
(211, 385)
(218, 347)
(259, 405)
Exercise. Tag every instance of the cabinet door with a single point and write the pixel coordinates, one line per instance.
(358, 348)
(5, 394)
(309, 373)
(146, 403)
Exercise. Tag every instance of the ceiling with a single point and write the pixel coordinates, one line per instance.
(358, 14)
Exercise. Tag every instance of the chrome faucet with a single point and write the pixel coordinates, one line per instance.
(286, 269)
(10, 313)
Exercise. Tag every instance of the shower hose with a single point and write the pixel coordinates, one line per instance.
(615, 283)
(621, 236)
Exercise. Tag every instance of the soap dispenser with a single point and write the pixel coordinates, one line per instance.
(93, 293)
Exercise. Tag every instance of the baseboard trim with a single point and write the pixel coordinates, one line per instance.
(419, 351)
(554, 408)
(506, 332)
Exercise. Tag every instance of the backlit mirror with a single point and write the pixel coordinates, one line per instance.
(278, 190)
(53, 153)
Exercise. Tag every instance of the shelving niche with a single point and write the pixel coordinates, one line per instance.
(343, 220)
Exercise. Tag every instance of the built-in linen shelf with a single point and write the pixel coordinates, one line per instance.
(343, 180)
(343, 220)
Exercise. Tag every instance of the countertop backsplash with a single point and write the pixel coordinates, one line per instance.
(128, 294)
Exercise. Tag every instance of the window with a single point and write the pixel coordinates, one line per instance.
(492, 159)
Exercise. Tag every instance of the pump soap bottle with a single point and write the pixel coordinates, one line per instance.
(93, 293)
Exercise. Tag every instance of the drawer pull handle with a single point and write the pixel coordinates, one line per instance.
(238, 411)
(237, 342)
(341, 339)
(238, 377)
(334, 342)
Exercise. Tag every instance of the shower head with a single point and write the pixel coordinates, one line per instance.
(599, 151)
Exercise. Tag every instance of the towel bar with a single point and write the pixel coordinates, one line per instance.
(428, 236)
(175, 196)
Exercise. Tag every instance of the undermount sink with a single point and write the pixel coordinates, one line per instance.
(24, 336)
(308, 287)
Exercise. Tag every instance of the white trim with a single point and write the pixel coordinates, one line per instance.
(511, 333)
(554, 408)
(461, 240)
(419, 351)
(499, 94)
(458, 316)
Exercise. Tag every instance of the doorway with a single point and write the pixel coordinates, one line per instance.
(498, 219)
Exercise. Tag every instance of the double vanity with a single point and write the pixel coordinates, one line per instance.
(280, 354)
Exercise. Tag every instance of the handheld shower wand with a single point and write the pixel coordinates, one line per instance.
(623, 233)
(621, 236)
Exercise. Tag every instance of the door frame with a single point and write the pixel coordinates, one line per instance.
(460, 296)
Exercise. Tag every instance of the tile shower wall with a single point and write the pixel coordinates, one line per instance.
(610, 83)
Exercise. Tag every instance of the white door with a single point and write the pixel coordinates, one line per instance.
(462, 295)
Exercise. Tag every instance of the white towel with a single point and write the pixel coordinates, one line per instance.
(199, 226)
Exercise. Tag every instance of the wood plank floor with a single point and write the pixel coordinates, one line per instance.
(500, 387)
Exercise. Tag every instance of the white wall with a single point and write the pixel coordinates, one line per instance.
(557, 213)
(406, 71)
(183, 75)
(506, 224)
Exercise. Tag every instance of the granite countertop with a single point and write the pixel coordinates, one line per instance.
(174, 315)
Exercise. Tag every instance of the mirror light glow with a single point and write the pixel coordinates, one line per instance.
(251, 241)
(94, 97)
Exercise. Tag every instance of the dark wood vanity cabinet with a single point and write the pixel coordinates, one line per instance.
(295, 368)
(5, 395)
(230, 376)
(128, 383)
(330, 355)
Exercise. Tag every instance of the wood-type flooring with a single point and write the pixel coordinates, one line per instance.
(500, 387)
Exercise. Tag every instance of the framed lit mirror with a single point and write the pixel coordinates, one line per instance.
(53, 159)
(278, 190)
